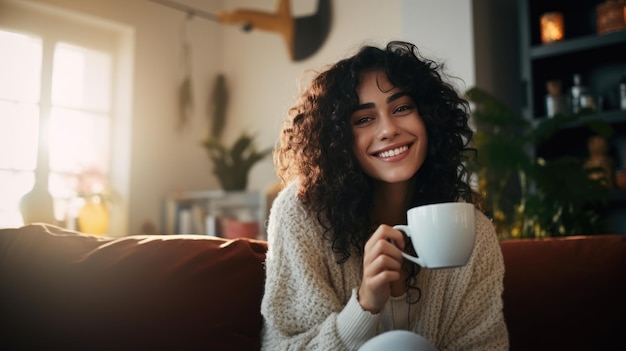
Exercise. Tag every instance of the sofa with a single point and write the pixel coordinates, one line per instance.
(64, 290)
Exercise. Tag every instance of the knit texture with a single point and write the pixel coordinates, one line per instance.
(310, 300)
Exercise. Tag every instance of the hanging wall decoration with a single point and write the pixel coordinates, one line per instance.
(185, 90)
(303, 36)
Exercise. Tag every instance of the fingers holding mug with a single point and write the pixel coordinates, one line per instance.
(382, 264)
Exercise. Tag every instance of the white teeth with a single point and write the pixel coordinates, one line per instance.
(393, 152)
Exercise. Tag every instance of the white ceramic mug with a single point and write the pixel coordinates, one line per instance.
(442, 234)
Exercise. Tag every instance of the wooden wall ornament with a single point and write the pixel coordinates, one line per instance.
(304, 35)
(311, 31)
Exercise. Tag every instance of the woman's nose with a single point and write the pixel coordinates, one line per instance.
(388, 128)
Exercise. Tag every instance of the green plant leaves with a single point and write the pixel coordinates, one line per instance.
(531, 197)
(231, 166)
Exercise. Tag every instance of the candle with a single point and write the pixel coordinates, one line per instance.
(551, 27)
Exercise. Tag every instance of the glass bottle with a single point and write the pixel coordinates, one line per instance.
(622, 94)
(580, 97)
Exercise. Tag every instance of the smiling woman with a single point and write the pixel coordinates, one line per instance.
(369, 138)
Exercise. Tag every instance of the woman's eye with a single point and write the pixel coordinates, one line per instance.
(402, 108)
(362, 120)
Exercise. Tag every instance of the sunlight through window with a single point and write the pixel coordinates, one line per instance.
(79, 124)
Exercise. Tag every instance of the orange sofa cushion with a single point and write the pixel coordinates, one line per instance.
(65, 290)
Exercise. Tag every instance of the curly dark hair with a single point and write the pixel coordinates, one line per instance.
(316, 142)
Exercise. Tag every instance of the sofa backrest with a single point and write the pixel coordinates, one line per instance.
(65, 290)
(61, 289)
(566, 293)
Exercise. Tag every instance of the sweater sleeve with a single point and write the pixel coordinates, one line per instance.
(479, 323)
(300, 306)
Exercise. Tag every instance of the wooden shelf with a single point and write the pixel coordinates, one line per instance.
(197, 212)
(575, 45)
(613, 117)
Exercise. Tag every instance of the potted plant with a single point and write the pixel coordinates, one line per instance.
(529, 196)
(232, 164)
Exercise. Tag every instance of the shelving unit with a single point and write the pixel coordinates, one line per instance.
(200, 212)
(600, 59)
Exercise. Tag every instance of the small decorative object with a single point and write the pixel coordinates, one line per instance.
(622, 93)
(233, 228)
(611, 16)
(599, 158)
(37, 205)
(552, 28)
(580, 96)
(555, 101)
(303, 35)
(95, 213)
(93, 217)
(185, 90)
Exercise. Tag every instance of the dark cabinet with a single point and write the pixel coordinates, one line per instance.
(600, 62)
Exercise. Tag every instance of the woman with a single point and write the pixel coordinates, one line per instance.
(373, 136)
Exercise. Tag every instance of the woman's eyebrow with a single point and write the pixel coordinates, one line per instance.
(392, 98)
(364, 106)
(396, 96)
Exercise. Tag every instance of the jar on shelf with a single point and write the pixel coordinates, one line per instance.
(611, 16)
(556, 103)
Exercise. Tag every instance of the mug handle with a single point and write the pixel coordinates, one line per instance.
(405, 229)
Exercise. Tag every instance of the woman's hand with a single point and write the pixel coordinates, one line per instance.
(382, 266)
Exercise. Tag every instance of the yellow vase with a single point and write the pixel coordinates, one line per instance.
(93, 217)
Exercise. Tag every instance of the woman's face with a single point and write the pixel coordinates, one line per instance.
(390, 139)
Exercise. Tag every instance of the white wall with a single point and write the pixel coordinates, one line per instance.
(443, 30)
(263, 81)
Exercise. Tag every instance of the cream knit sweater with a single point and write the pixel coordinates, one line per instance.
(310, 300)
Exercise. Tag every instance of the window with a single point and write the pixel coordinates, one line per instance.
(56, 115)
(20, 68)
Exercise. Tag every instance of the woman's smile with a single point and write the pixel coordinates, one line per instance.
(393, 154)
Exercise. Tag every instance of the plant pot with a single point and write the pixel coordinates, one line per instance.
(233, 228)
